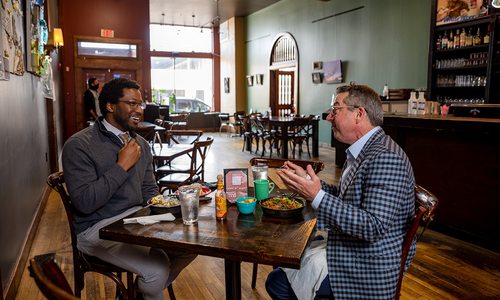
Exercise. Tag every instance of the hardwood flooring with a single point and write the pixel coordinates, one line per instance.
(444, 267)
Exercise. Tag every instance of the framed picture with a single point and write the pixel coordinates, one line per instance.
(259, 78)
(12, 44)
(37, 33)
(317, 77)
(235, 183)
(457, 11)
(226, 85)
(317, 65)
(250, 80)
(332, 71)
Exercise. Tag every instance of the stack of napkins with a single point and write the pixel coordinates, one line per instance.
(148, 220)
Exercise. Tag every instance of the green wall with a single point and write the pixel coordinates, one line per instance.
(387, 41)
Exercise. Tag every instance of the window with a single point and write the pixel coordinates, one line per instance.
(180, 38)
(106, 49)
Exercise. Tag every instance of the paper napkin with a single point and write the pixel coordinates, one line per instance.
(148, 220)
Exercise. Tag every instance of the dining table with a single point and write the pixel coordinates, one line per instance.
(255, 238)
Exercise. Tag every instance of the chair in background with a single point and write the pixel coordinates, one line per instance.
(225, 123)
(149, 134)
(82, 262)
(317, 166)
(425, 207)
(172, 180)
(301, 134)
(201, 150)
(179, 120)
(49, 278)
(238, 122)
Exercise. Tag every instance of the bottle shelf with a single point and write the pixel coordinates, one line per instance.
(455, 69)
(467, 23)
(483, 47)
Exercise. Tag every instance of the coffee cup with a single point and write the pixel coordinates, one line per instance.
(262, 188)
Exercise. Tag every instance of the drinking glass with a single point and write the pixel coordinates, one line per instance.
(189, 197)
(259, 172)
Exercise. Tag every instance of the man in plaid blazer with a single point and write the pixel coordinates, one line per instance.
(368, 216)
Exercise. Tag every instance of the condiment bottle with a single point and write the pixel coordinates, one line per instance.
(220, 200)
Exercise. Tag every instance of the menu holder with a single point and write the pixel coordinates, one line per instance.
(235, 184)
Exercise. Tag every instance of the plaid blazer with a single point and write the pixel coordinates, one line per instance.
(367, 221)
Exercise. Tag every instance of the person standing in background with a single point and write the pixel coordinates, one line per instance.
(90, 100)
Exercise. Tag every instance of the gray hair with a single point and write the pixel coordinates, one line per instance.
(366, 97)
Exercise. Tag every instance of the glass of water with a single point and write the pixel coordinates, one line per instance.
(259, 172)
(189, 197)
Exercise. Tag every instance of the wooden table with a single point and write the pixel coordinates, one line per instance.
(250, 238)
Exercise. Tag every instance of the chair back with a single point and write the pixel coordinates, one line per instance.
(202, 148)
(317, 166)
(175, 136)
(425, 207)
(49, 278)
(56, 181)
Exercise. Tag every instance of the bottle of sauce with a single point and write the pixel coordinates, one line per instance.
(220, 200)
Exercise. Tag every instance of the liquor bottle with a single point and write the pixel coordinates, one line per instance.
(486, 38)
(468, 38)
(444, 41)
(456, 39)
(462, 38)
(450, 40)
(220, 200)
(412, 104)
(477, 38)
(439, 41)
(421, 103)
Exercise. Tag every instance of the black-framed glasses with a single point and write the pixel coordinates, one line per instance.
(134, 104)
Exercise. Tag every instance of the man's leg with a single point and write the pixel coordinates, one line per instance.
(278, 286)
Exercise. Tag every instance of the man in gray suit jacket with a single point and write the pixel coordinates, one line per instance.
(368, 216)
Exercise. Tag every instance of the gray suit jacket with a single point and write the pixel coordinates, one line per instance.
(367, 221)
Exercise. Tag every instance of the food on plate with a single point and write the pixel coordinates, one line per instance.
(203, 189)
(281, 203)
(159, 200)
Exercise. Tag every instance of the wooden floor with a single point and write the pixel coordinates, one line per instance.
(444, 268)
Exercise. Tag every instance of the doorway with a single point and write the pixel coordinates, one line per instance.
(284, 76)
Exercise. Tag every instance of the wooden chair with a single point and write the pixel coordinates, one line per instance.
(317, 166)
(171, 180)
(201, 151)
(82, 262)
(225, 123)
(425, 207)
(49, 278)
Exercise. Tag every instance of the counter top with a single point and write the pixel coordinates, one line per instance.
(441, 118)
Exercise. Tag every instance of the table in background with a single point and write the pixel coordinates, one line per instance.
(251, 238)
(286, 122)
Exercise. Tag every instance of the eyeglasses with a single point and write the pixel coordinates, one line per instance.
(133, 104)
(335, 108)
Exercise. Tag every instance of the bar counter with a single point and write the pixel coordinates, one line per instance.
(458, 159)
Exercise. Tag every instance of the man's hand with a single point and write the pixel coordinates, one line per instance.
(129, 155)
(296, 180)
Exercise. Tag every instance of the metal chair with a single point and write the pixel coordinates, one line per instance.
(317, 166)
(49, 278)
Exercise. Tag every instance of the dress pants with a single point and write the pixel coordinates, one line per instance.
(156, 268)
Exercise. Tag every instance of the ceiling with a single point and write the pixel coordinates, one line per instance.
(181, 12)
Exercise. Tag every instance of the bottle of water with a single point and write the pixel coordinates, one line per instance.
(412, 104)
(385, 92)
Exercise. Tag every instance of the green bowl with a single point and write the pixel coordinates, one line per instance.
(245, 207)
